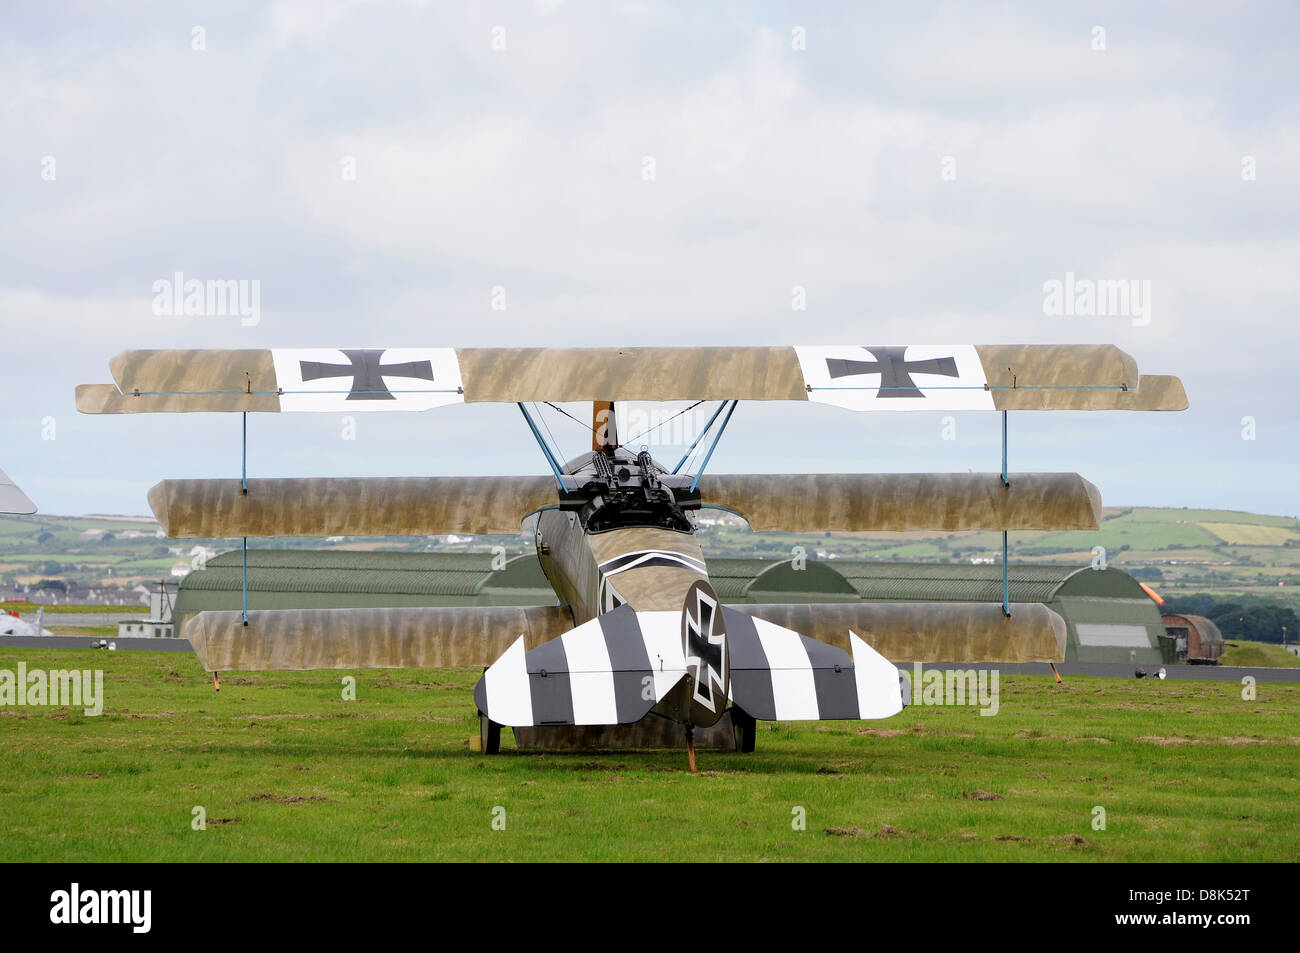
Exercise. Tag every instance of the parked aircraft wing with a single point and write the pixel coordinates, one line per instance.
(898, 502)
(338, 506)
(12, 499)
(437, 637)
(929, 632)
(858, 377)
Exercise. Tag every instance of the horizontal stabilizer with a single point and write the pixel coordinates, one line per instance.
(12, 499)
(857, 377)
(617, 667)
(899, 502)
(930, 631)
(609, 671)
(439, 637)
(781, 675)
(364, 506)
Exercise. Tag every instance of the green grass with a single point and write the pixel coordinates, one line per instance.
(1245, 653)
(70, 609)
(1126, 531)
(1152, 514)
(82, 631)
(287, 770)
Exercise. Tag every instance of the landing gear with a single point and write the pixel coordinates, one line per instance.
(489, 735)
(744, 727)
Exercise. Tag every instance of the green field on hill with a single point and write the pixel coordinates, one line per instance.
(285, 769)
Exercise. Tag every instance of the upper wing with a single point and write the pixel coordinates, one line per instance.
(12, 499)
(886, 377)
(899, 502)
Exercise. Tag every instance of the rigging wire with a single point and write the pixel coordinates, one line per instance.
(631, 440)
(558, 451)
(584, 426)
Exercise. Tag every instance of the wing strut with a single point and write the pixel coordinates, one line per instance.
(550, 457)
(243, 484)
(691, 449)
(714, 446)
(1006, 567)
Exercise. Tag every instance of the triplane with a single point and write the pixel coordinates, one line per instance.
(640, 650)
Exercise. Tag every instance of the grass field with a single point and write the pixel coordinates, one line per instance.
(1249, 534)
(285, 769)
(29, 608)
(1241, 652)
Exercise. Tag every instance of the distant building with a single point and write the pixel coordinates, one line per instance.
(1196, 639)
(160, 596)
(145, 629)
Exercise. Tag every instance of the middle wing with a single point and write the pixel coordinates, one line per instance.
(414, 506)
(346, 506)
(899, 502)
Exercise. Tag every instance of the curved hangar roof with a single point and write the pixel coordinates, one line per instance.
(916, 582)
(372, 574)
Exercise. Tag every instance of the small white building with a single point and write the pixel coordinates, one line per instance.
(145, 629)
(162, 596)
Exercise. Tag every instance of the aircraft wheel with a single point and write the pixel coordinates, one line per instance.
(744, 727)
(489, 733)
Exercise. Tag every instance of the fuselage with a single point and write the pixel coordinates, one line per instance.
(630, 544)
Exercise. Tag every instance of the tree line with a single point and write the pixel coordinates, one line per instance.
(1240, 617)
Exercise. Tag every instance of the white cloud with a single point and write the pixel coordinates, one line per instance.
(774, 168)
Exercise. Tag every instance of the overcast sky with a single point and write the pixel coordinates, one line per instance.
(381, 168)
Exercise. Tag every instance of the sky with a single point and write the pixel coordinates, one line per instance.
(580, 174)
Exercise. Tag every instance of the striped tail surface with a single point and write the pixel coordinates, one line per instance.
(609, 671)
(779, 675)
(617, 667)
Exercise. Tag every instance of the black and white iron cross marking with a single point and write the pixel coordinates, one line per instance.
(367, 371)
(706, 649)
(894, 369)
